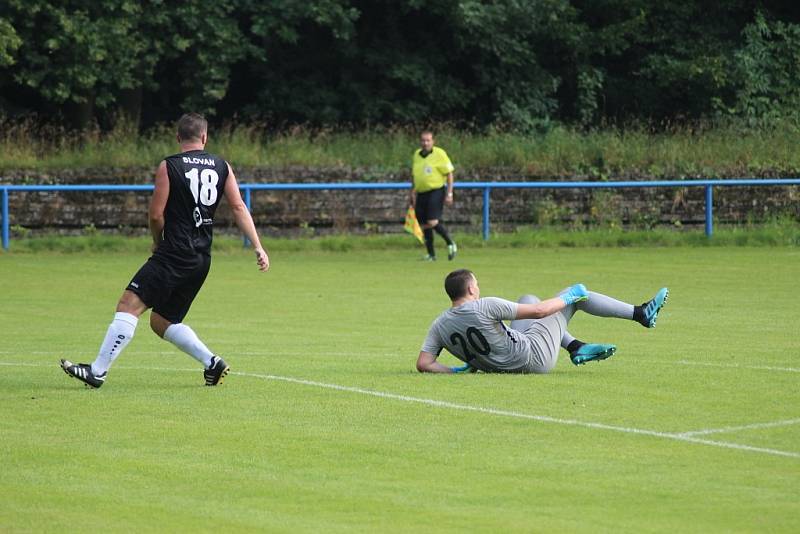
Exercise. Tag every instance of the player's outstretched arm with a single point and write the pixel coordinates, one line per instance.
(573, 294)
(426, 363)
(540, 309)
(244, 220)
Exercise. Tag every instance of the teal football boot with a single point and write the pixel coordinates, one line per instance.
(592, 352)
(653, 306)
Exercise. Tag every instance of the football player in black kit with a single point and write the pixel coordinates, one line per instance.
(188, 188)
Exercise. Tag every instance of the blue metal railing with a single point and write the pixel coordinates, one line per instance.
(485, 186)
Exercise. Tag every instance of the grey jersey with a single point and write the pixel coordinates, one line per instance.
(474, 333)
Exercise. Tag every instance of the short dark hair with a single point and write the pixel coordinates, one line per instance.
(457, 282)
(192, 126)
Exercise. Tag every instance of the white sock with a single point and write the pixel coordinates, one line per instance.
(119, 334)
(185, 339)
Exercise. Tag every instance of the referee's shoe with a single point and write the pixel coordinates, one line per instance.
(452, 250)
(83, 372)
(216, 372)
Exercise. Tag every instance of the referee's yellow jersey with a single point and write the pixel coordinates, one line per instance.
(431, 171)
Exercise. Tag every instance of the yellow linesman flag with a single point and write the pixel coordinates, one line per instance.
(412, 225)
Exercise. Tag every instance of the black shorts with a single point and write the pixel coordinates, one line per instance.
(169, 288)
(429, 205)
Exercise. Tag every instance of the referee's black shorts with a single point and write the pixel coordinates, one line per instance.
(170, 287)
(429, 205)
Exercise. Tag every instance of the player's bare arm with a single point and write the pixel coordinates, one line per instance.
(426, 363)
(244, 221)
(571, 295)
(158, 204)
(448, 199)
(540, 309)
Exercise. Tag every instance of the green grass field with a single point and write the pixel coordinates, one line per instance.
(323, 424)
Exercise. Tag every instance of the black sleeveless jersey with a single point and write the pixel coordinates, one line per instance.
(196, 185)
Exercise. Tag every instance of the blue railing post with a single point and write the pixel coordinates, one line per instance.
(486, 213)
(5, 219)
(246, 242)
(709, 210)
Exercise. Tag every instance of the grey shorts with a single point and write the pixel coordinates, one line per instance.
(544, 336)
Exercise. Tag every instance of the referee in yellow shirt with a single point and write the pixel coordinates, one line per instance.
(431, 189)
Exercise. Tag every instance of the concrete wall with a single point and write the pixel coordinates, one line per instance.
(318, 212)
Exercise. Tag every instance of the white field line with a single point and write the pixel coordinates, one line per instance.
(519, 415)
(738, 366)
(69, 353)
(754, 426)
(484, 410)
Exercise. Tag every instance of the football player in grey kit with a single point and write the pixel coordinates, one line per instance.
(473, 329)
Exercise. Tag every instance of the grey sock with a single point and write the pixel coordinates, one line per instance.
(605, 306)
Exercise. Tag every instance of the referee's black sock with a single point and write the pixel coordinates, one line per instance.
(442, 231)
(428, 233)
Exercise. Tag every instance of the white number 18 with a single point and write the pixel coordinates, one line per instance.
(203, 185)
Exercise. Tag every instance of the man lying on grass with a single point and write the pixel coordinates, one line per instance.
(473, 329)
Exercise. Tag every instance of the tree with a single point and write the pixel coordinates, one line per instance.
(510, 47)
(766, 74)
(9, 43)
(75, 53)
(519, 64)
(80, 55)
